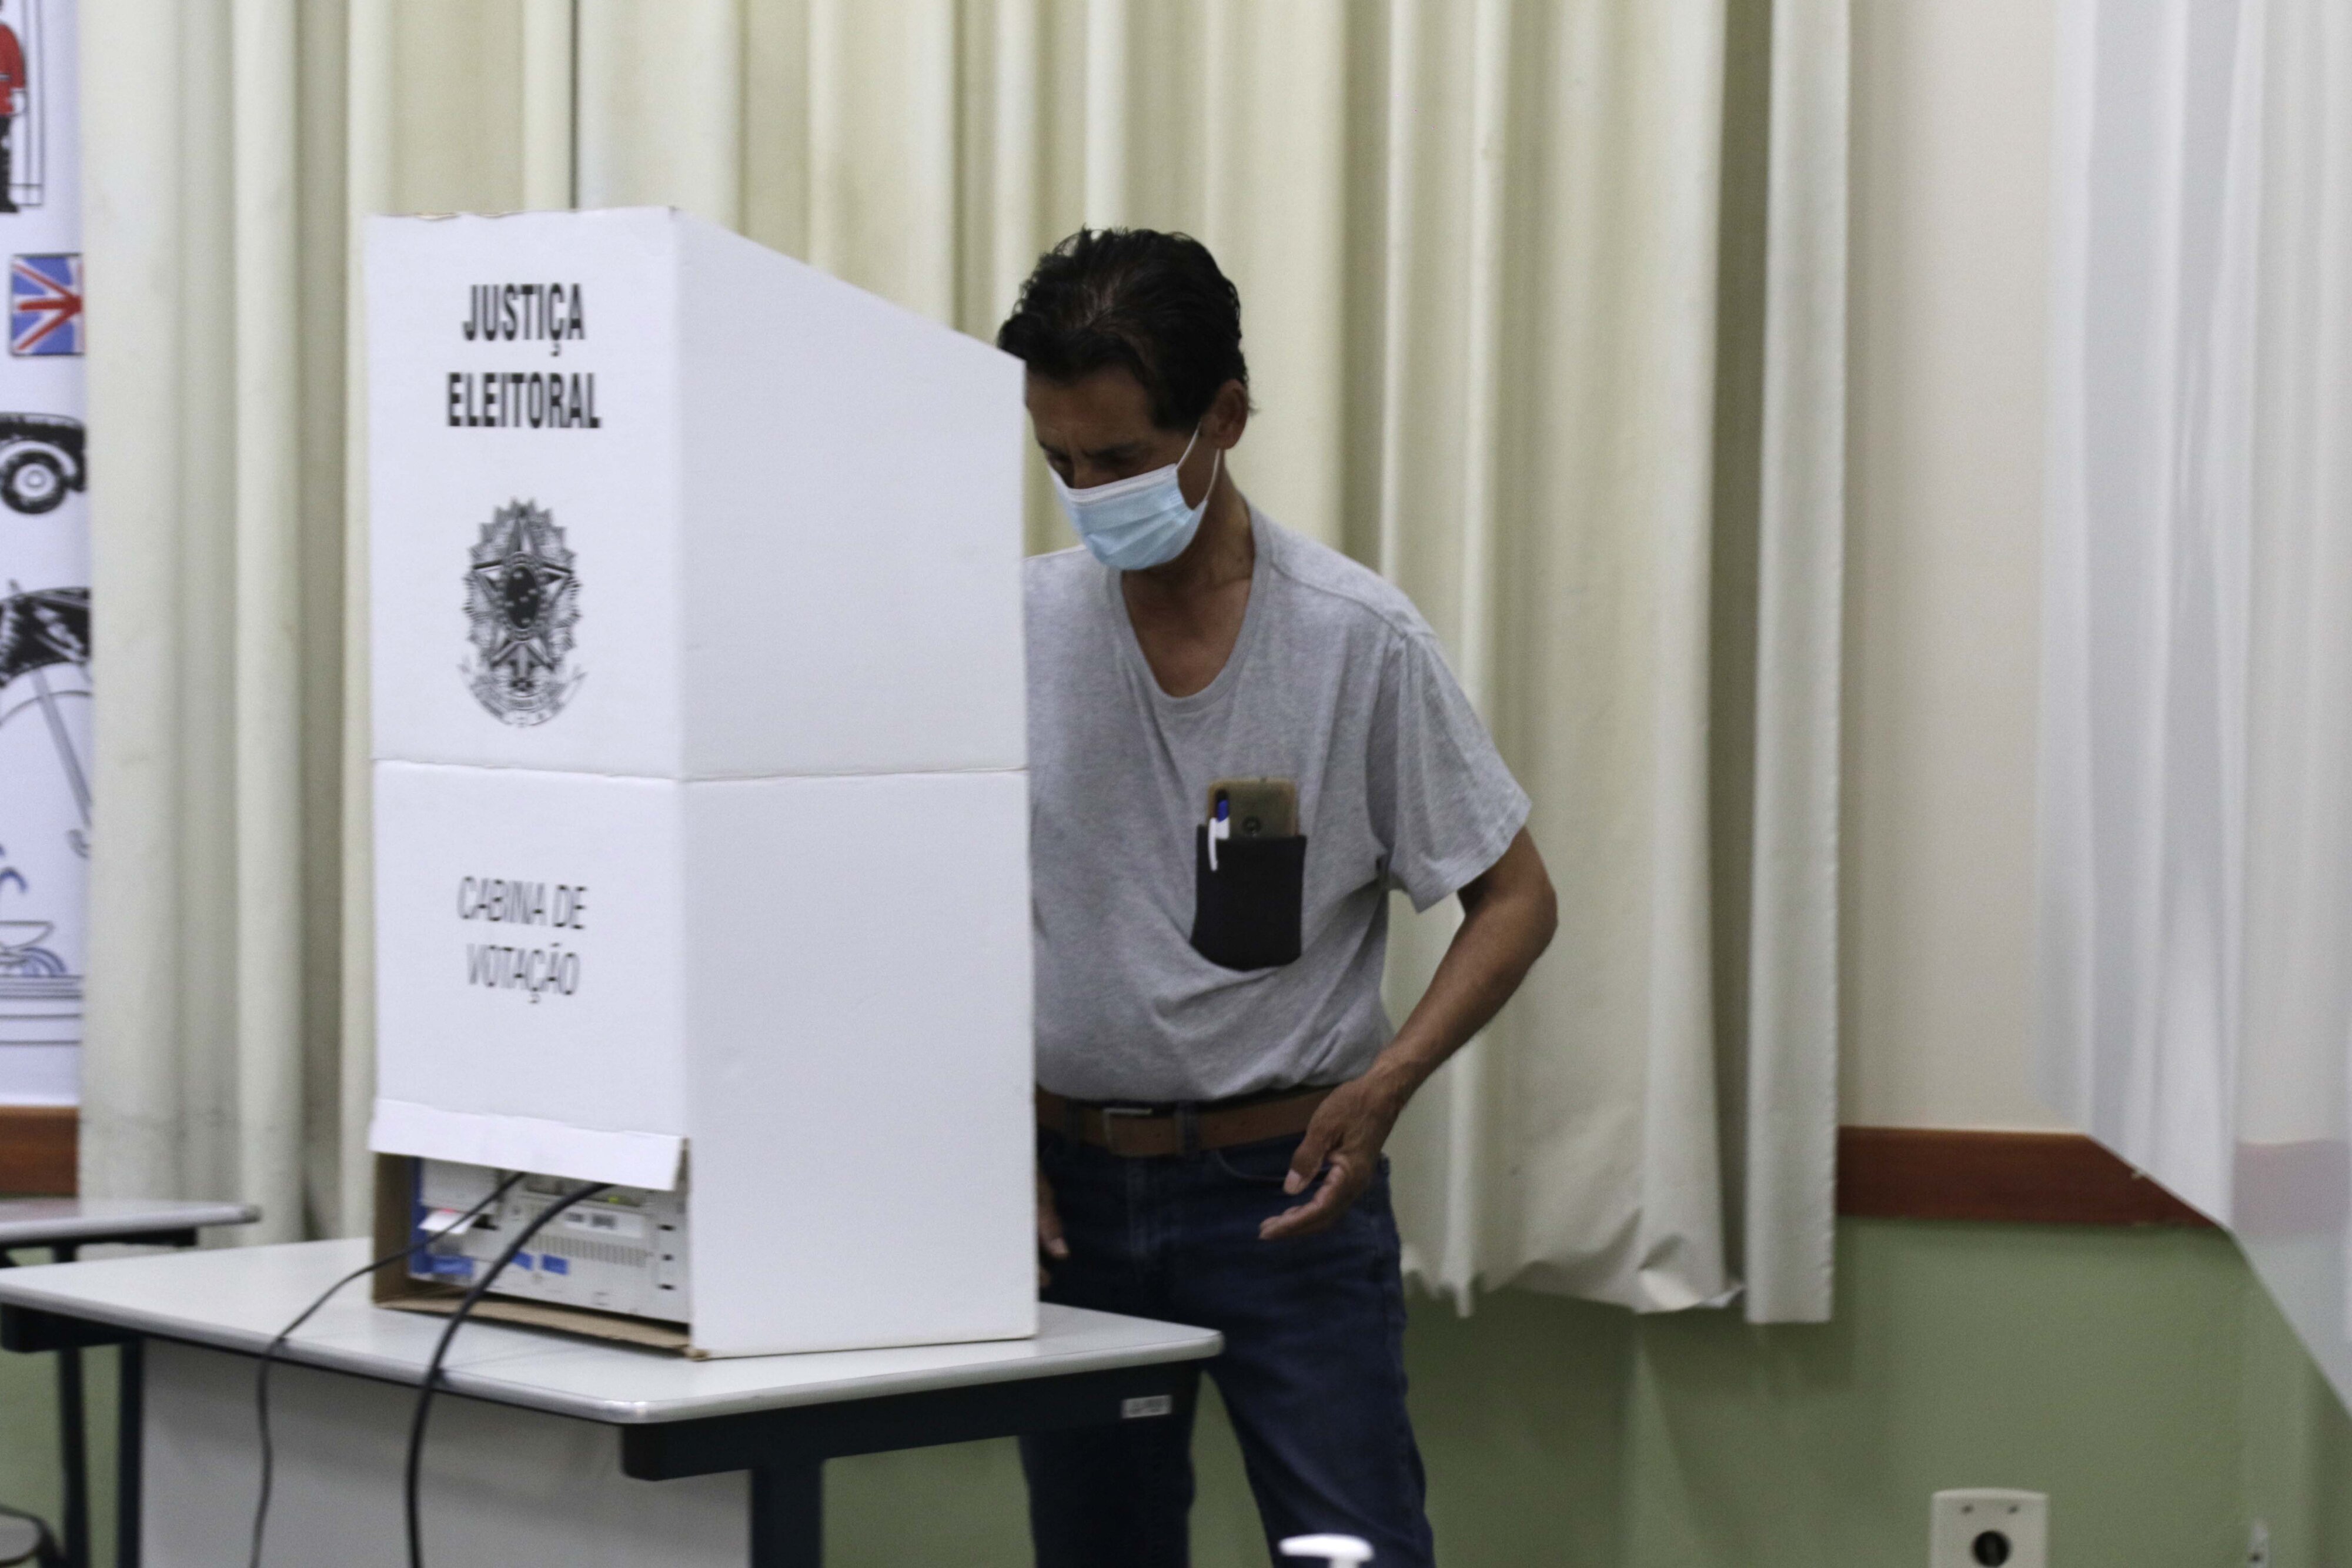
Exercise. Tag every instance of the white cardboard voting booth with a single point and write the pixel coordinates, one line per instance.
(700, 817)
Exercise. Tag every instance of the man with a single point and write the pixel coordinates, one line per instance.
(1240, 741)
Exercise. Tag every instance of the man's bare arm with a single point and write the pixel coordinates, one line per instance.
(1510, 912)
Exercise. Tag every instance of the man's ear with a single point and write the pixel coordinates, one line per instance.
(1228, 416)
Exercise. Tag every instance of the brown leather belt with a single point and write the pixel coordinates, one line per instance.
(1140, 1132)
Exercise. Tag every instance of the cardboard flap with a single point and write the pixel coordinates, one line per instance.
(643, 1332)
(650, 1160)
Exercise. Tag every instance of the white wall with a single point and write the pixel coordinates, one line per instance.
(1951, 178)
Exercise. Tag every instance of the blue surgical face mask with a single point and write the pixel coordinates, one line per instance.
(1140, 521)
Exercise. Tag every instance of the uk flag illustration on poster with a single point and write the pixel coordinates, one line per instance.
(45, 305)
(45, 603)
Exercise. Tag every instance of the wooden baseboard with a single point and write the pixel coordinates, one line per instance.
(37, 1148)
(1884, 1173)
(2042, 1179)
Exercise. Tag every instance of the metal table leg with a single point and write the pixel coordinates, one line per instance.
(788, 1515)
(130, 1432)
(73, 1437)
(74, 1458)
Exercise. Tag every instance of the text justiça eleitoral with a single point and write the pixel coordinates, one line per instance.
(551, 313)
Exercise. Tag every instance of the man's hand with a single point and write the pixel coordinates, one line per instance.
(1343, 1146)
(1049, 1230)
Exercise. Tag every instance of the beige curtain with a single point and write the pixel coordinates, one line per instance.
(1481, 249)
(214, 214)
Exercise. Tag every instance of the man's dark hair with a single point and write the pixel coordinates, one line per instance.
(1152, 304)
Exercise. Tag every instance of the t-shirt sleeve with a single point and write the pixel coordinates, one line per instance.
(1441, 799)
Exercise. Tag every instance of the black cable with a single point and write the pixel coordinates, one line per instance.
(433, 1368)
(268, 1357)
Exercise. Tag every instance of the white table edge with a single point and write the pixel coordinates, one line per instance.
(167, 1215)
(656, 1412)
(467, 1382)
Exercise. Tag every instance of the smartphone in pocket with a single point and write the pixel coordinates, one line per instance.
(1249, 874)
(1257, 807)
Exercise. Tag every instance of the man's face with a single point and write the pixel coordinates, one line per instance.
(1098, 428)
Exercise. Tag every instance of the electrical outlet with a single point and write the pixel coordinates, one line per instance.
(2258, 1545)
(1986, 1527)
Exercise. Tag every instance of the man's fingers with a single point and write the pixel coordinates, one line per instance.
(1049, 1222)
(1308, 1158)
(1317, 1213)
(1339, 1188)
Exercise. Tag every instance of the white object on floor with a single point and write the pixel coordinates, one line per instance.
(1340, 1550)
(20, 1538)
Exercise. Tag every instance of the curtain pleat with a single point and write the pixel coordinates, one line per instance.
(1107, 101)
(1477, 247)
(1791, 1090)
(266, 751)
(134, 1089)
(368, 183)
(660, 106)
(550, 63)
(1011, 192)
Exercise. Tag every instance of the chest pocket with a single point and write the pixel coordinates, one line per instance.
(1247, 909)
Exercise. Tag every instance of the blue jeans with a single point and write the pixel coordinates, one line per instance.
(1312, 1372)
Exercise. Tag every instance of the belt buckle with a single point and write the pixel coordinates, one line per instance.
(1109, 1114)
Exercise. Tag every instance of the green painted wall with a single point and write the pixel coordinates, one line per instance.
(2140, 1378)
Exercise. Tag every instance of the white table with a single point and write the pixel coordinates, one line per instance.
(64, 1225)
(70, 1223)
(516, 1478)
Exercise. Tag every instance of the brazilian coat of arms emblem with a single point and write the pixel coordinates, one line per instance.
(522, 600)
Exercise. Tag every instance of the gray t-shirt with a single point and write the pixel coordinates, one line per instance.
(1335, 683)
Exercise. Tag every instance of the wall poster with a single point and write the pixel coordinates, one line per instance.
(45, 691)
